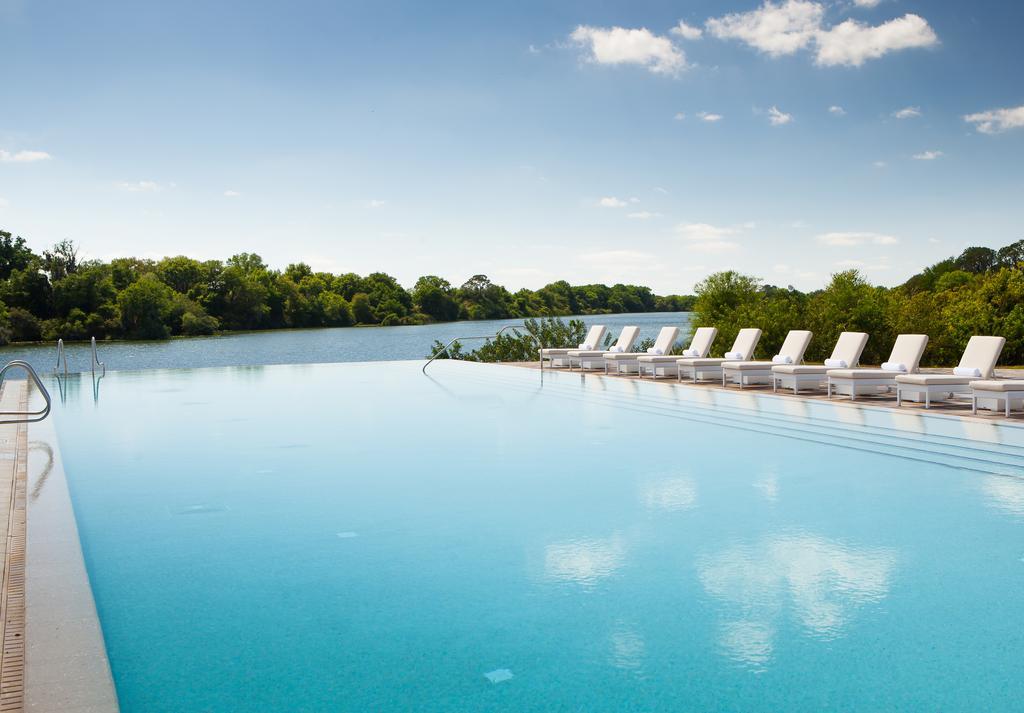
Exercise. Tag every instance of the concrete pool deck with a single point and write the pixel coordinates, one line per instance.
(54, 655)
(957, 408)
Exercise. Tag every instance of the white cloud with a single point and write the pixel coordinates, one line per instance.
(662, 191)
(776, 30)
(139, 186)
(709, 117)
(851, 43)
(856, 238)
(4, 203)
(837, 110)
(584, 561)
(927, 155)
(995, 121)
(619, 45)
(611, 202)
(785, 28)
(376, 203)
(867, 3)
(643, 215)
(23, 156)
(910, 112)
(679, 116)
(532, 49)
(708, 238)
(687, 32)
(231, 194)
(623, 259)
(879, 164)
(778, 118)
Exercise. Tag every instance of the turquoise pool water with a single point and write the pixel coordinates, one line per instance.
(361, 537)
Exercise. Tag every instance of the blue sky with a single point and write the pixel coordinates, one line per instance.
(528, 141)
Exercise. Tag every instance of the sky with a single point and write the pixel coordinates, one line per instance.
(647, 142)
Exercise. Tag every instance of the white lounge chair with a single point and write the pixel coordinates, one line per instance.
(760, 372)
(978, 362)
(594, 358)
(989, 393)
(560, 357)
(626, 363)
(846, 353)
(666, 364)
(742, 350)
(905, 358)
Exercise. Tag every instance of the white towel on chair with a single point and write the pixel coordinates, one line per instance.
(655, 351)
(691, 353)
(616, 348)
(586, 347)
(779, 359)
(967, 371)
(894, 366)
(735, 356)
(836, 363)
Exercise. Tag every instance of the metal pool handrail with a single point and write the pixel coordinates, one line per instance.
(444, 349)
(31, 416)
(61, 356)
(96, 360)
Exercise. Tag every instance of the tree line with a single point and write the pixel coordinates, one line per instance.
(56, 294)
(981, 291)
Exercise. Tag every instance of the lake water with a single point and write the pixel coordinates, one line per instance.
(303, 346)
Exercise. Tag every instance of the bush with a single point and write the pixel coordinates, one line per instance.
(25, 326)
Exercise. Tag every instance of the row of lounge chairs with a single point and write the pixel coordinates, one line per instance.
(974, 378)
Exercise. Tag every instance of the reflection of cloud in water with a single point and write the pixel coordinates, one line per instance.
(748, 641)
(768, 484)
(628, 648)
(1005, 492)
(584, 560)
(824, 582)
(669, 494)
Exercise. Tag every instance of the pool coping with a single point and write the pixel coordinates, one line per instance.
(66, 664)
(939, 409)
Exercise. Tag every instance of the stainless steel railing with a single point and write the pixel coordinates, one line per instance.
(446, 347)
(61, 357)
(28, 416)
(96, 360)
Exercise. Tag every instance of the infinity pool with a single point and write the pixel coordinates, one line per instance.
(362, 537)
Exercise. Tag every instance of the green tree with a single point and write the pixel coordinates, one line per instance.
(145, 306)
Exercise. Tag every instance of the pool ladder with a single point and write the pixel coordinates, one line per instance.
(26, 416)
(446, 347)
(62, 359)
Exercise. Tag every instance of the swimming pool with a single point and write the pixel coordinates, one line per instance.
(364, 537)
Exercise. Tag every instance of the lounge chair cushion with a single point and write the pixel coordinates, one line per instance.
(849, 347)
(690, 361)
(982, 353)
(745, 343)
(748, 365)
(907, 350)
(795, 345)
(1000, 386)
(932, 379)
(627, 337)
(862, 374)
(658, 358)
(621, 356)
(799, 369)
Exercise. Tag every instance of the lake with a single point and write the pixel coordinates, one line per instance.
(303, 346)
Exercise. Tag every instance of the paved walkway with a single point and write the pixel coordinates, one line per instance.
(950, 408)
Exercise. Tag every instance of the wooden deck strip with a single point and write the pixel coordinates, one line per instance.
(13, 479)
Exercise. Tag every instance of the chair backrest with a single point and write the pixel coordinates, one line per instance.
(702, 340)
(595, 337)
(746, 342)
(850, 346)
(627, 338)
(666, 338)
(983, 353)
(795, 345)
(908, 350)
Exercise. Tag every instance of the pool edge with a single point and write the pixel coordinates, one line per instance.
(66, 664)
